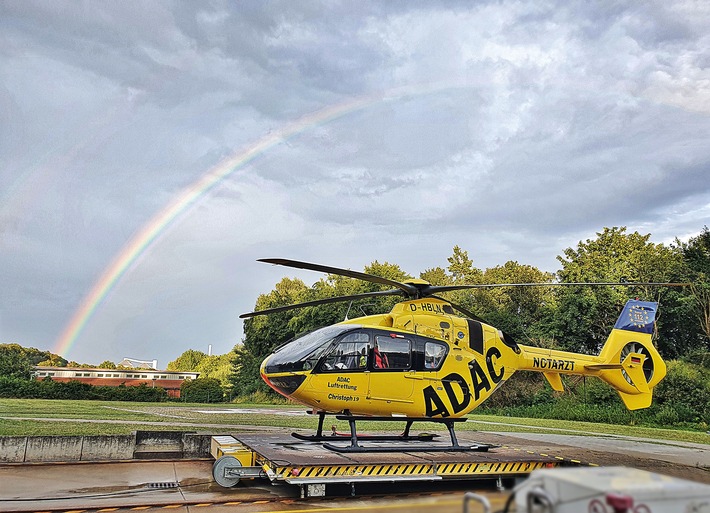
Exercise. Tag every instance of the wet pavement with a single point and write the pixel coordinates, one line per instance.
(181, 485)
(186, 485)
(683, 453)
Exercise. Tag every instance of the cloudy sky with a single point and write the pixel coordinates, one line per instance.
(151, 151)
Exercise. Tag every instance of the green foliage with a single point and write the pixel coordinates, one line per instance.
(585, 314)
(48, 389)
(107, 364)
(682, 399)
(436, 276)
(187, 361)
(17, 361)
(462, 269)
(696, 255)
(14, 361)
(686, 390)
(522, 312)
(201, 390)
(218, 367)
(245, 378)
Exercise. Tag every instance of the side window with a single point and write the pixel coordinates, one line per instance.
(349, 354)
(391, 353)
(434, 353)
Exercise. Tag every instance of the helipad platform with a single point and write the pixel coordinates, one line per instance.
(284, 458)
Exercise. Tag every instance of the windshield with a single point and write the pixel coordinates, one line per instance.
(303, 353)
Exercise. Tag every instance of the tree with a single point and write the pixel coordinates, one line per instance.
(263, 333)
(187, 361)
(217, 367)
(461, 268)
(54, 360)
(436, 276)
(586, 314)
(519, 311)
(696, 256)
(34, 356)
(107, 364)
(14, 361)
(201, 390)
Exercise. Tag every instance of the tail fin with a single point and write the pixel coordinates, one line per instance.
(629, 361)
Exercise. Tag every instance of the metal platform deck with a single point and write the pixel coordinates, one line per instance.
(284, 458)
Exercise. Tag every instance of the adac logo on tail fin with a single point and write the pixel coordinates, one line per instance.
(637, 316)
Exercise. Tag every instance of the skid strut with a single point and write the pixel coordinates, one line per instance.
(355, 439)
(404, 437)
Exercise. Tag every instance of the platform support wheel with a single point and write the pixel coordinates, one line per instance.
(221, 474)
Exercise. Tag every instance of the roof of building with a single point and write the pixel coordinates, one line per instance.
(99, 369)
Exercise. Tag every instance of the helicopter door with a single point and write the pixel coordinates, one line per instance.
(341, 377)
(390, 362)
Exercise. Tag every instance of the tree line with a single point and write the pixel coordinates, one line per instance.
(17, 362)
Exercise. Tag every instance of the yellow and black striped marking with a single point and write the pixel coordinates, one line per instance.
(361, 471)
(412, 471)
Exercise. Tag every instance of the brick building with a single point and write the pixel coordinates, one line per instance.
(168, 380)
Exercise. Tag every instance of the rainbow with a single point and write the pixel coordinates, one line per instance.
(151, 231)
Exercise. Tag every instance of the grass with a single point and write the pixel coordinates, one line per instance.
(110, 417)
(510, 424)
(33, 428)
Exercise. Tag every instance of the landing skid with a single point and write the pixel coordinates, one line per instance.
(421, 437)
(355, 447)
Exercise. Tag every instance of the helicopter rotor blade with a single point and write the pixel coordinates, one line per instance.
(410, 290)
(433, 289)
(415, 291)
(392, 292)
(461, 309)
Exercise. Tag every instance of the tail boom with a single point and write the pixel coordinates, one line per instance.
(628, 361)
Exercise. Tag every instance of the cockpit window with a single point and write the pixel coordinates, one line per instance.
(349, 354)
(304, 352)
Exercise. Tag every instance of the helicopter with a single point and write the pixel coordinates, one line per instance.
(422, 361)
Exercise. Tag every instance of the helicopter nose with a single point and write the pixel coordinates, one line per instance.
(284, 385)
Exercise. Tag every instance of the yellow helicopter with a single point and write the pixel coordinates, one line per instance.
(423, 362)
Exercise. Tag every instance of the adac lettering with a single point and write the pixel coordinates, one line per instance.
(426, 307)
(553, 364)
(457, 389)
